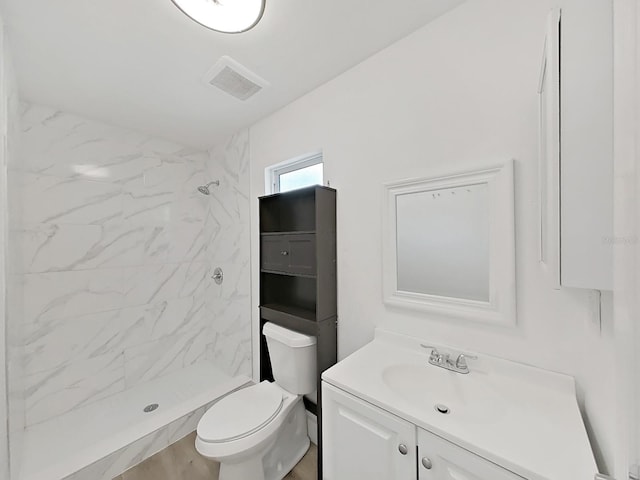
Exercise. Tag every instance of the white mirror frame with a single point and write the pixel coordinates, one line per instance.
(501, 308)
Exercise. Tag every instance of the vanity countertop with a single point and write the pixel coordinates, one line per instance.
(523, 418)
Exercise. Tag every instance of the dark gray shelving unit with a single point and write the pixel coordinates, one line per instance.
(298, 287)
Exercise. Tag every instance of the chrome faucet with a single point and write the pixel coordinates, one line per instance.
(444, 360)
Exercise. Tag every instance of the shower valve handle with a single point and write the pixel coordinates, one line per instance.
(218, 275)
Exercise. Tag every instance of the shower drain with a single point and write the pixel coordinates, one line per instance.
(150, 408)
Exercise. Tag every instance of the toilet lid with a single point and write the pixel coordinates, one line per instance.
(241, 413)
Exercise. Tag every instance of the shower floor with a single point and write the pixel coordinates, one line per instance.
(101, 435)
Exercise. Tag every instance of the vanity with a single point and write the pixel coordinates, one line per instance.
(390, 413)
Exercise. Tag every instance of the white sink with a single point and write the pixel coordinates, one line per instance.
(426, 386)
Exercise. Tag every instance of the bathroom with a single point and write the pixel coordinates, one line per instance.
(138, 189)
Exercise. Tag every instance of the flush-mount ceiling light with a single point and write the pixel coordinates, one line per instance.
(227, 16)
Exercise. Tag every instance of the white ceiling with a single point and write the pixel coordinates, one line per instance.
(139, 63)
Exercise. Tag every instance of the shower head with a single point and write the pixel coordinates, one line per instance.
(204, 189)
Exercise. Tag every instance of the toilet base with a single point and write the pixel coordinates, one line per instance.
(250, 468)
(284, 452)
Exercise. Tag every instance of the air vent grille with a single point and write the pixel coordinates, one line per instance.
(234, 79)
(235, 84)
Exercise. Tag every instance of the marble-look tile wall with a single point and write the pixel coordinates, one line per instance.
(15, 310)
(4, 227)
(114, 260)
(227, 230)
(10, 263)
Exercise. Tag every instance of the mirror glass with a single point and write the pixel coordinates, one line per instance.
(442, 241)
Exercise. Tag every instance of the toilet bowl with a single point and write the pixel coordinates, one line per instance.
(260, 432)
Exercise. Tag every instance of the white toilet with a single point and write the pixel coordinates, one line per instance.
(260, 432)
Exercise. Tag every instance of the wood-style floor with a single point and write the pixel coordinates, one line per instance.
(180, 461)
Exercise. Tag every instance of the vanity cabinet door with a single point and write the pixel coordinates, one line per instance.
(439, 459)
(361, 441)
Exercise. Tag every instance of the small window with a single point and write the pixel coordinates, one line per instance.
(297, 174)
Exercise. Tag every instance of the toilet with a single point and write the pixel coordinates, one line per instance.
(260, 432)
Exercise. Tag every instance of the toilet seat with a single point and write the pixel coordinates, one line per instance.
(241, 413)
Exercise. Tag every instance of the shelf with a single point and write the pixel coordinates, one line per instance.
(288, 232)
(274, 309)
(299, 192)
(290, 211)
(287, 274)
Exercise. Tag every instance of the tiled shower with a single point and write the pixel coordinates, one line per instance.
(113, 249)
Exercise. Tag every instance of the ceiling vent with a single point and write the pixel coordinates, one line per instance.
(234, 79)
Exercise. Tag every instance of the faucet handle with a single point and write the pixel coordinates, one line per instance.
(434, 351)
(461, 361)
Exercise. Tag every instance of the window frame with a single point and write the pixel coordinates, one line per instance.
(291, 166)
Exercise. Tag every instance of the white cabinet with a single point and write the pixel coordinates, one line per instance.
(586, 146)
(576, 146)
(439, 459)
(361, 441)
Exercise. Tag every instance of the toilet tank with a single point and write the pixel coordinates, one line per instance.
(293, 358)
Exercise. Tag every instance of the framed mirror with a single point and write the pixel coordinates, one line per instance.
(449, 245)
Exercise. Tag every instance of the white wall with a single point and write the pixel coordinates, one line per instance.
(460, 90)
